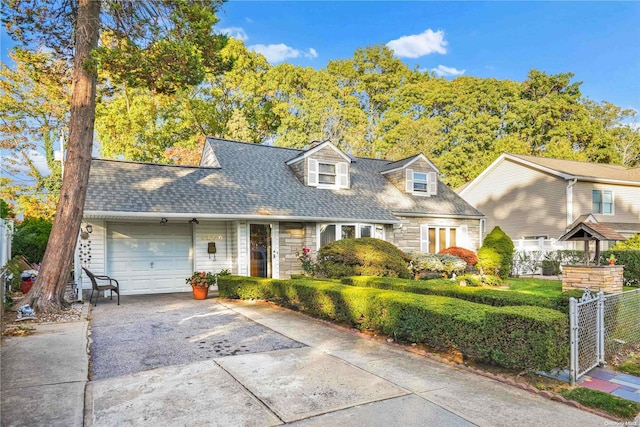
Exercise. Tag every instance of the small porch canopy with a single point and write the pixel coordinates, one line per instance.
(591, 231)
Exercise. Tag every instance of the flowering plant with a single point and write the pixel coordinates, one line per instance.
(308, 266)
(201, 278)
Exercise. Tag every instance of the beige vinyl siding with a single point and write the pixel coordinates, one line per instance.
(95, 245)
(292, 240)
(204, 233)
(522, 201)
(208, 157)
(626, 201)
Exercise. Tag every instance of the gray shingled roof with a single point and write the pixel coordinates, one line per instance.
(252, 180)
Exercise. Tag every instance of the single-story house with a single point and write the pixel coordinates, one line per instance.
(537, 199)
(251, 208)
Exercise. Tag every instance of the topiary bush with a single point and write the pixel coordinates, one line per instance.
(464, 254)
(364, 256)
(30, 238)
(502, 245)
(488, 261)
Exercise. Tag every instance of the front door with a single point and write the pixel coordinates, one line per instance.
(261, 250)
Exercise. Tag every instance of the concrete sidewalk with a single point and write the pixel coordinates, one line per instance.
(43, 376)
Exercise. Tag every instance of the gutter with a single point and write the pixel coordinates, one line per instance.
(569, 193)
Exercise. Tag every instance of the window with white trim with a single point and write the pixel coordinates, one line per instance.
(602, 202)
(421, 183)
(324, 174)
(434, 238)
(328, 233)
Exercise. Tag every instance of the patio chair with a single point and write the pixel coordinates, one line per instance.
(106, 287)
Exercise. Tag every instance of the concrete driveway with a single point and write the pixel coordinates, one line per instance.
(170, 360)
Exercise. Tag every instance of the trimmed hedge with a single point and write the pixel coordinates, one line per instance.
(531, 338)
(447, 288)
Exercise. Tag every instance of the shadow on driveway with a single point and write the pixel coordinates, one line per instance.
(152, 331)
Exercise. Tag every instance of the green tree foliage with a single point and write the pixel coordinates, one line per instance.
(6, 210)
(362, 257)
(632, 243)
(496, 253)
(30, 238)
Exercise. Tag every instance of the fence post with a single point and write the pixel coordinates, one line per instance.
(573, 337)
(600, 327)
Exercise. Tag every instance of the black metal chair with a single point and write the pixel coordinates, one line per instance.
(95, 287)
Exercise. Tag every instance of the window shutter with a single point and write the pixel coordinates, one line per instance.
(424, 238)
(433, 183)
(409, 180)
(312, 179)
(343, 175)
(464, 237)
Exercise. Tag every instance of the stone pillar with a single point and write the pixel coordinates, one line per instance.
(606, 278)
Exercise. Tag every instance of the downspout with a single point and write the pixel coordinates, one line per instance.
(570, 184)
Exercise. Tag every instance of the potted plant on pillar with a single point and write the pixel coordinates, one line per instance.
(200, 282)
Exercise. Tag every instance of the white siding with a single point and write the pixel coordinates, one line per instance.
(243, 259)
(95, 247)
(215, 232)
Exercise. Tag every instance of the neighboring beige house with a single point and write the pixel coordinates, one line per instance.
(535, 199)
(250, 208)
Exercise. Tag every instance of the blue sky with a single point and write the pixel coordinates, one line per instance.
(598, 41)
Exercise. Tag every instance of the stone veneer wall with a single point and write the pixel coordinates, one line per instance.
(293, 237)
(407, 236)
(606, 278)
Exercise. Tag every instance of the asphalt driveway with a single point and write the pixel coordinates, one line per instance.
(152, 331)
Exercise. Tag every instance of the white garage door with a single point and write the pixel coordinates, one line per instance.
(149, 258)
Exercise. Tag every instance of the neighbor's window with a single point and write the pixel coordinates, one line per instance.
(602, 202)
(326, 173)
(420, 182)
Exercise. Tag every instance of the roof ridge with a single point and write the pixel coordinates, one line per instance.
(133, 162)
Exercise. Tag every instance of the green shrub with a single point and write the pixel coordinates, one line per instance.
(477, 330)
(364, 256)
(503, 247)
(632, 243)
(488, 261)
(631, 261)
(422, 262)
(30, 239)
(447, 288)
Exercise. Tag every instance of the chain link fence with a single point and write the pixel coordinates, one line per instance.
(601, 327)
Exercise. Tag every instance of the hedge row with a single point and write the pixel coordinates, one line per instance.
(524, 337)
(447, 288)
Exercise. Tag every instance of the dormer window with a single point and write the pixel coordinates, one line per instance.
(323, 174)
(326, 173)
(421, 183)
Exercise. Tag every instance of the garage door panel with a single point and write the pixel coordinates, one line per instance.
(147, 258)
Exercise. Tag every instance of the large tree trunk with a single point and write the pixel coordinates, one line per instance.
(47, 294)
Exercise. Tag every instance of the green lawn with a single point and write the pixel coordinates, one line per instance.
(541, 287)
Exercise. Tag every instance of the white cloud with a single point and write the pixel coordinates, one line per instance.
(280, 52)
(442, 70)
(417, 45)
(235, 32)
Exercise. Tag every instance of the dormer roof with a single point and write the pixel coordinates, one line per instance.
(405, 163)
(317, 147)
